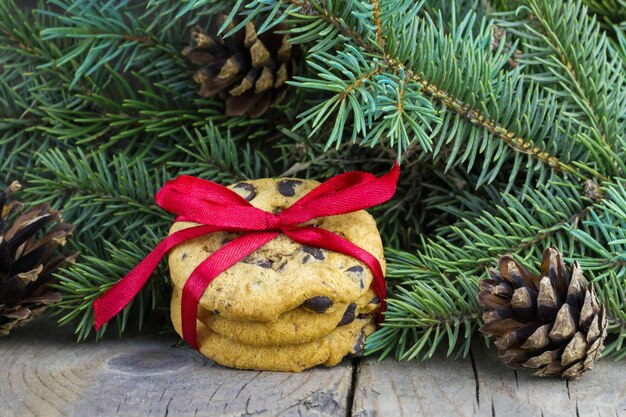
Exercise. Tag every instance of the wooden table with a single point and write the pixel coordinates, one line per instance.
(43, 372)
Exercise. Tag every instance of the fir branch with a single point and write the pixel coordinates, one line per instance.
(511, 227)
(117, 116)
(574, 56)
(454, 12)
(406, 58)
(124, 36)
(109, 34)
(477, 117)
(220, 157)
(99, 195)
(392, 103)
(510, 138)
(421, 316)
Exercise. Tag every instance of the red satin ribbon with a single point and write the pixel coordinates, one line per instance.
(217, 208)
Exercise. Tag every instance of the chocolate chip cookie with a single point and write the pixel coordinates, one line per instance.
(282, 275)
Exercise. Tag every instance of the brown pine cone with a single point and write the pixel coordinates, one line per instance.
(27, 259)
(553, 322)
(246, 69)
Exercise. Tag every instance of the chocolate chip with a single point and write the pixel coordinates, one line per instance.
(288, 187)
(357, 350)
(216, 312)
(363, 316)
(348, 316)
(265, 263)
(306, 259)
(185, 255)
(281, 266)
(316, 252)
(250, 191)
(375, 300)
(318, 304)
(358, 271)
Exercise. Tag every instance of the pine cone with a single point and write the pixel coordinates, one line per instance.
(27, 262)
(247, 70)
(553, 322)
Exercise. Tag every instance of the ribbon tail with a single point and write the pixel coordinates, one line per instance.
(122, 293)
(219, 261)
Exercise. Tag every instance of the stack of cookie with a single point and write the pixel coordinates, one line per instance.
(285, 307)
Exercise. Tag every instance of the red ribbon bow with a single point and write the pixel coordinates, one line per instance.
(218, 208)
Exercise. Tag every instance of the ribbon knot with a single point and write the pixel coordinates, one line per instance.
(216, 208)
(273, 221)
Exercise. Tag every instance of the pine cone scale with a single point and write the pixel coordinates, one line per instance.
(259, 53)
(539, 339)
(515, 337)
(543, 359)
(246, 84)
(547, 301)
(575, 350)
(564, 325)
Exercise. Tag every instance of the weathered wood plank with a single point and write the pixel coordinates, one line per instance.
(439, 387)
(45, 373)
(482, 386)
(601, 392)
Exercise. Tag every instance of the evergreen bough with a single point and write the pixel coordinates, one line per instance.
(508, 119)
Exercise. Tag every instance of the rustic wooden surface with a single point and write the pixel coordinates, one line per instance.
(45, 373)
(482, 386)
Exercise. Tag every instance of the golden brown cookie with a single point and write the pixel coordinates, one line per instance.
(293, 327)
(282, 275)
(329, 350)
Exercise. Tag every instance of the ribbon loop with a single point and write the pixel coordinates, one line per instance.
(217, 208)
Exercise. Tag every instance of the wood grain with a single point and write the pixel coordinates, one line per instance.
(438, 387)
(45, 373)
(483, 386)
